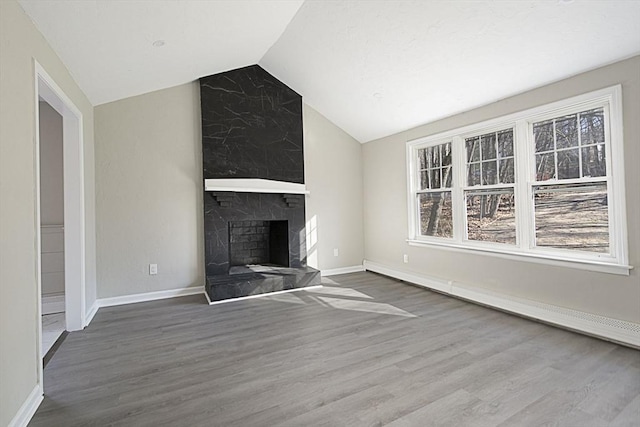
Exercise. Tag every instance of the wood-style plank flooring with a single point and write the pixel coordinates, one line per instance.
(364, 350)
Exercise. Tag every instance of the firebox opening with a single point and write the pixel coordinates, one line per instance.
(258, 245)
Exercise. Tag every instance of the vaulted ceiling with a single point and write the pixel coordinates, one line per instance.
(372, 67)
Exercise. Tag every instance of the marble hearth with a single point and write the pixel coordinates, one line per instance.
(265, 281)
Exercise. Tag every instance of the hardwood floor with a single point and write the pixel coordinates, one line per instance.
(363, 350)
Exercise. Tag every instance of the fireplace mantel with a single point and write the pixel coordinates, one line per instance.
(252, 185)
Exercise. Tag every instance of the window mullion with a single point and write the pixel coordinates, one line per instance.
(523, 146)
(457, 195)
(615, 221)
(579, 131)
(413, 185)
(555, 150)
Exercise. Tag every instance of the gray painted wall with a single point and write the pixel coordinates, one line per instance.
(149, 192)
(51, 201)
(333, 175)
(51, 178)
(385, 210)
(20, 43)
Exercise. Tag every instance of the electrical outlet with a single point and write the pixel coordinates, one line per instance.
(336, 252)
(405, 258)
(153, 269)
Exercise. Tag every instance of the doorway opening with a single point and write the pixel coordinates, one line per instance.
(51, 224)
(61, 246)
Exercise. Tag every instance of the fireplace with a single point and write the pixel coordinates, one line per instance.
(255, 243)
(258, 243)
(254, 199)
(224, 227)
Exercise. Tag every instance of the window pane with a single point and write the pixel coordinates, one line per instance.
(572, 217)
(473, 174)
(446, 154)
(430, 173)
(594, 161)
(592, 126)
(488, 146)
(568, 164)
(435, 214)
(496, 154)
(428, 157)
(506, 171)
(543, 136)
(571, 150)
(435, 178)
(491, 216)
(435, 156)
(473, 149)
(447, 177)
(422, 158)
(545, 167)
(489, 173)
(424, 180)
(567, 132)
(505, 143)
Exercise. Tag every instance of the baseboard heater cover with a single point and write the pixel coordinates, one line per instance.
(610, 329)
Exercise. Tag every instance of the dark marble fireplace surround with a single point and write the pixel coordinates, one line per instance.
(252, 129)
(249, 207)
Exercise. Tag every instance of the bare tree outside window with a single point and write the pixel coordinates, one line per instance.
(491, 216)
(434, 198)
(570, 147)
(547, 182)
(436, 214)
(491, 213)
(571, 216)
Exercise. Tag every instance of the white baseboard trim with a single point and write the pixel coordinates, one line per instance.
(267, 294)
(91, 313)
(52, 304)
(343, 270)
(149, 296)
(620, 331)
(28, 408)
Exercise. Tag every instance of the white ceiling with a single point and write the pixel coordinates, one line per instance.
(372, 67)
(107, 45)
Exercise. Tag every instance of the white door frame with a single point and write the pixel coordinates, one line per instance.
(74, 212)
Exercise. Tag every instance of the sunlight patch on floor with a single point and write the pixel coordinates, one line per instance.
(368, 306)
(343, 292)
(288, 298)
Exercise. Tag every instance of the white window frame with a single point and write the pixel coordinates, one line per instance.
(465, 187)
(615, 262)
(442, 188)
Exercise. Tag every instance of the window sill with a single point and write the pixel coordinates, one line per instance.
(539, 258)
